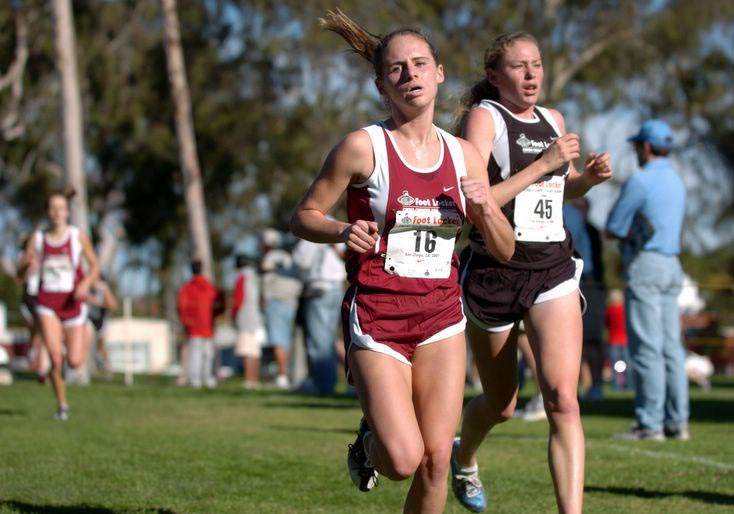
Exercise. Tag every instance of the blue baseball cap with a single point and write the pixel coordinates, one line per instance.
(656, 132)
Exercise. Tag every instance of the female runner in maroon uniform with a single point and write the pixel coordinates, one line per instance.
(57, 254)
(528, 157)
(407, 184)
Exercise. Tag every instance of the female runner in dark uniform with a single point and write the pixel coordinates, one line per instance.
(528, 156)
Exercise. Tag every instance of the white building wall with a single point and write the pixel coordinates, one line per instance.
(140, 345)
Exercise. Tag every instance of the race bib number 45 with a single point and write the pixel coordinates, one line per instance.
(539, 211)
(421, 244)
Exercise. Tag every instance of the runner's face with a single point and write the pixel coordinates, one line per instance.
(58, 210)
(411, 75)
(519, 74)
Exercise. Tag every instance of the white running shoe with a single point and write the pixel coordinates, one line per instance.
(282, 382)
(534, 410)
(466, 485)
(62, 413)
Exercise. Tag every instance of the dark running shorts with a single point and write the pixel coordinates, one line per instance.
(28, 307)
(496, 297)
(97, 322)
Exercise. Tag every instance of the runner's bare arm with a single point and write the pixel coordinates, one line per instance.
(351, 161)
(28, 262)
(483, 209)
(597, 167)
(82, 289)
(480, 131)
(110, 300)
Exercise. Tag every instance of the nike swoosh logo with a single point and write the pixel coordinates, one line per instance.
(447, 189)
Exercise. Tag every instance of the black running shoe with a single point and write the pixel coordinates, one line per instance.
(361, 471)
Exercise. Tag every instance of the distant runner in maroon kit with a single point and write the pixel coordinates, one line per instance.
(409, 185)
(56, 253)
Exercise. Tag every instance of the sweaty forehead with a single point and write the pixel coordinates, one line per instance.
(407, 46)
(521, 51)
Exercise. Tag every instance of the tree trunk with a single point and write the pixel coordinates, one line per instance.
(11, 123)
(193, 186)
(71, 109)
(109, 233)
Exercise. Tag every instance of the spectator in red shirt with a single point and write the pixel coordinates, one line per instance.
(199, 302)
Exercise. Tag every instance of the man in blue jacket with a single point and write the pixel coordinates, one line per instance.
(648, 218)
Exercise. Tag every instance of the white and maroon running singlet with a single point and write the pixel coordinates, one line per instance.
(61, 271)
(405, 291)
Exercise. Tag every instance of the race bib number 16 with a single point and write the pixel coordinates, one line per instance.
(58, 274)
(421, 244)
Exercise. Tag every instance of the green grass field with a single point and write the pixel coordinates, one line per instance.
(157, 448)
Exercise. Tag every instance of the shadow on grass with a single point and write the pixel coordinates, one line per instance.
(702, 409)
(311, 428)
(311, 404)
(273, 394)
(293, 400)
(641, 492)
(29, 508)
(13, 412)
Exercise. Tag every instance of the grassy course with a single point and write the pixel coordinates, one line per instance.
(157, 448)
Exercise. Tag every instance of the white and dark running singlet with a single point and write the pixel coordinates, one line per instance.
(543, 267)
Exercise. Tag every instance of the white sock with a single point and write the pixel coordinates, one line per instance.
(469, 469)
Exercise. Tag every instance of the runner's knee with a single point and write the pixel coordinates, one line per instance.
(75, 361)
(500, 409)
(57, 362)
(402, 460)
(562, 404)
(436, 462)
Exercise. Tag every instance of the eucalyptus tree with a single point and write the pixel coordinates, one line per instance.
(188, 157)
(72, 129)
(270, 92)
